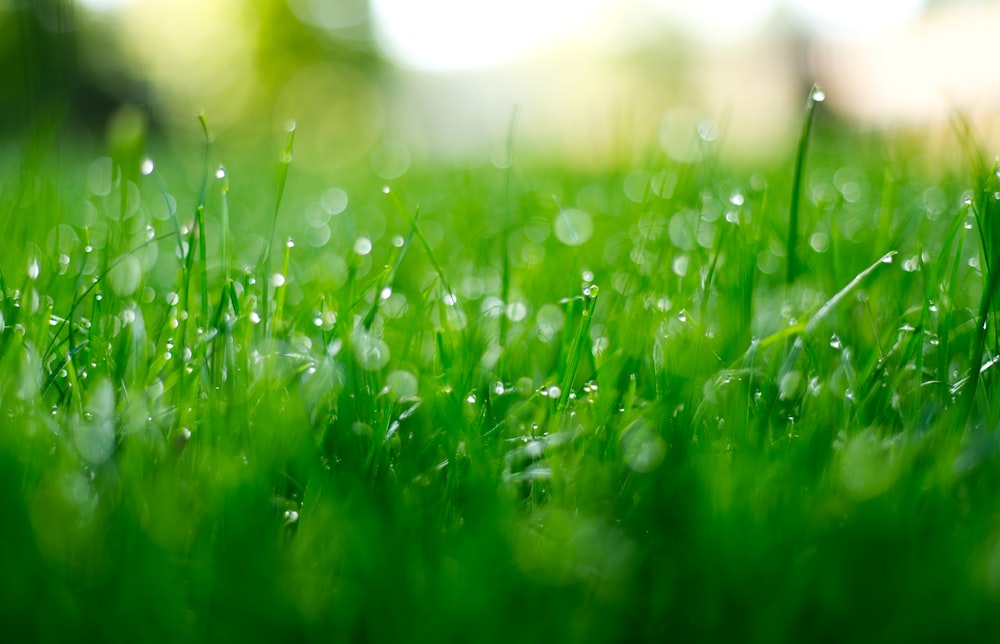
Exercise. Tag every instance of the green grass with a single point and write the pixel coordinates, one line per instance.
(524, 404)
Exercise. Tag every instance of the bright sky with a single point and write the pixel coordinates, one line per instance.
(442, 35)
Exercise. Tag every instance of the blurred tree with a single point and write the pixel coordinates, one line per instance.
(46, 80)
(295, 34)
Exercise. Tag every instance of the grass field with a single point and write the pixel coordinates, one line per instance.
(664, 402)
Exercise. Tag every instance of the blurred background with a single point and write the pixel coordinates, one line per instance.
(388, 81)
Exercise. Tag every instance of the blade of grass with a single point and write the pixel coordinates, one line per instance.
(816, 95)
(281, 179)
(504, 250)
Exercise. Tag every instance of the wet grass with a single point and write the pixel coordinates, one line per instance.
(499, 404)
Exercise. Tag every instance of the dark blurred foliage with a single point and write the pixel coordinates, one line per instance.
(62, 66)
(44, 77)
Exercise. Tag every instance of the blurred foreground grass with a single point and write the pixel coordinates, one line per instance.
(497, 404)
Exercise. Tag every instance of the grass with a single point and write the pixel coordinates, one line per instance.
(521, 404)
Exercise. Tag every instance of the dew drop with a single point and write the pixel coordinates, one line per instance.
(573, 227)
(362, 246)
(220, 173)
(147, 167)
(818, 95)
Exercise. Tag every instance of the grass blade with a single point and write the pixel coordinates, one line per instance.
(816, 95)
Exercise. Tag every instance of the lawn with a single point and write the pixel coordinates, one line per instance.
(244, 400)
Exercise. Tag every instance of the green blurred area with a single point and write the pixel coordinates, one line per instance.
(74, 67)
(513, 402)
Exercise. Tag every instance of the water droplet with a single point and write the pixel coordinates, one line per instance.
(386, 190)
(150, 232)
(33, 269)
(450, 299)
(471, 398)
(736, 198)
(220, 173)
(818, 95)
(362, 246)
(592, 290)
(402, 385)
(371, 352)
(398, 241)
(835, 342)
(277, 280)
(682, 316)
(554, 391)
(124, 278)
(588, 276)
(291, 516)
(290, 243)
(708, 130)
(254, 317)
(147, 167)
(642, 449)
(516, 311)
(573, 227)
